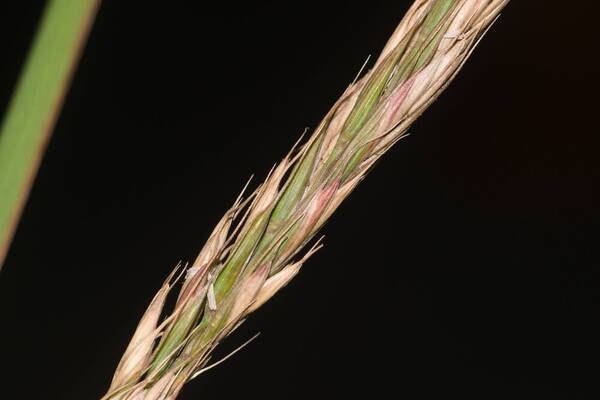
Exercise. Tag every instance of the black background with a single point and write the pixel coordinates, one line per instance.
(465, 265)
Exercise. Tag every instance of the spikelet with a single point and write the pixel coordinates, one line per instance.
(255, 249)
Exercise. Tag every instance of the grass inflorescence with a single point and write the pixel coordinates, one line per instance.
(259, 245)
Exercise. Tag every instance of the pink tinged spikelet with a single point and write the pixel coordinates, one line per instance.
(319, 203)
(315, 209)
(392, 116)
(249, 289)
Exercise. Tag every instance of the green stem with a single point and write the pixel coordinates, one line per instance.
(36, 102)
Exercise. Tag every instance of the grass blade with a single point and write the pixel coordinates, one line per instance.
(36, 102)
